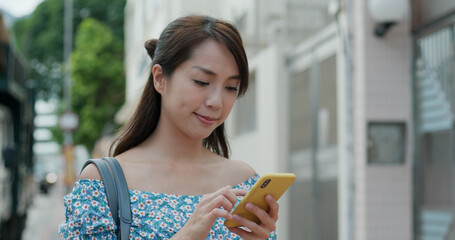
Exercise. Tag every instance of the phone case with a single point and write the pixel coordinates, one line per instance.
(274, 184)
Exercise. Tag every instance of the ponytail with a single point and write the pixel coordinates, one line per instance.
(145, 118)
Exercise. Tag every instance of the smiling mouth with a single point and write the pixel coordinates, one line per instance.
(206, 120)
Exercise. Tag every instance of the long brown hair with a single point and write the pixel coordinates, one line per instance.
(175, 46)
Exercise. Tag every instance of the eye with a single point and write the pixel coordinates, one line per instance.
(234, 89)
(200, 83)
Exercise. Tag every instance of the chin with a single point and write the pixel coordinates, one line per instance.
(202, 135)
(206, 136)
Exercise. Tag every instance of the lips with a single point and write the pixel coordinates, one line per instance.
(206, 119)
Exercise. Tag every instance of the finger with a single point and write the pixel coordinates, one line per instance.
(239, 192)
(231, 194)
(222, 191)
(267, 221)
(221, 201)
(255, 228)
(274, 207)
(261, 214)
(218, 212)
(236, 193)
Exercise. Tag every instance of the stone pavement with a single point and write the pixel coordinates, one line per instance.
(45, 214)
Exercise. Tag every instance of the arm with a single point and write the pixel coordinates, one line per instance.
(87, 213)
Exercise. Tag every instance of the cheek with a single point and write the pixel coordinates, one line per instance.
(229, 103)
(189, 99)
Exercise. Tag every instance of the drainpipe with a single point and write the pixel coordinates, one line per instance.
(346, 182)
(314, 95)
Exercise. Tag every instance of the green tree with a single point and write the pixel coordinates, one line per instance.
(98, 78)
(40, 37)
(97, 68)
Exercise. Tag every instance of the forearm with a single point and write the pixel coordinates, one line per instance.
(186, 234)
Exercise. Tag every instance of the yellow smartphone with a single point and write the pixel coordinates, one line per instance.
(274, 184)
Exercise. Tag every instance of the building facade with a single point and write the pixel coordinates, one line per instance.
(433, 28)
(337, 105)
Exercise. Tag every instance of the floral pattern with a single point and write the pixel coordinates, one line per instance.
(155, 215)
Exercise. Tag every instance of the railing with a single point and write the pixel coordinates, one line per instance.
(435, 76)
(435, 224)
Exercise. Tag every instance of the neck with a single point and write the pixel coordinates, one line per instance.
(169, 144)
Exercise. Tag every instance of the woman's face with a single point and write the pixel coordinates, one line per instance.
(200, 94)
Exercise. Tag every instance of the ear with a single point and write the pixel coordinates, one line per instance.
(159, 80)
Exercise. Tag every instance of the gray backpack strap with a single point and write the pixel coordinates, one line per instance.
(123, 197)
(110, 186)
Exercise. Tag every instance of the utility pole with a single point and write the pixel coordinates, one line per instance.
(68, 120)
(67, 49)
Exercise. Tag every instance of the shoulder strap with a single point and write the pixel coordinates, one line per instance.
(123, 197)
(110, 186)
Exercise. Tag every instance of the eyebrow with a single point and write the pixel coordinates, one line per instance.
(209, 72)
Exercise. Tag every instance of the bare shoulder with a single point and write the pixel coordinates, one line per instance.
(239, 170)
(90, 172)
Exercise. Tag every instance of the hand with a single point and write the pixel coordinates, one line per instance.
(208, 210)
(267, 221)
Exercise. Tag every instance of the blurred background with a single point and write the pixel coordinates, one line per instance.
(356, 97)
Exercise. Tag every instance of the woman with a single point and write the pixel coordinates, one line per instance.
(174, 152)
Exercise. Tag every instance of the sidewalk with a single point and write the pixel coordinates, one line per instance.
(45, 214)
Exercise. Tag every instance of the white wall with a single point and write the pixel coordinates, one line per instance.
(382, 80)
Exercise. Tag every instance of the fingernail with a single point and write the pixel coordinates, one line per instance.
(248, 206)
(230, 217)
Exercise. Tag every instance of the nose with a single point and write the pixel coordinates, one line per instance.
(215, 99)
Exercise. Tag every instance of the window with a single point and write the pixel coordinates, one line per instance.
(305, 210)
(386, 142)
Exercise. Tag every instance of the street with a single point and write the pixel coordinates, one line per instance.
(45, 214)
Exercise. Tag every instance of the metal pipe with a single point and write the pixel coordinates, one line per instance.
(346, 37)
(314, 88)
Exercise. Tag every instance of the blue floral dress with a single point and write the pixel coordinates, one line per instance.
(155, 215)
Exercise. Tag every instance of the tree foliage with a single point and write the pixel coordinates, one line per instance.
(98, 78)
(40, 37)
(97, 60)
